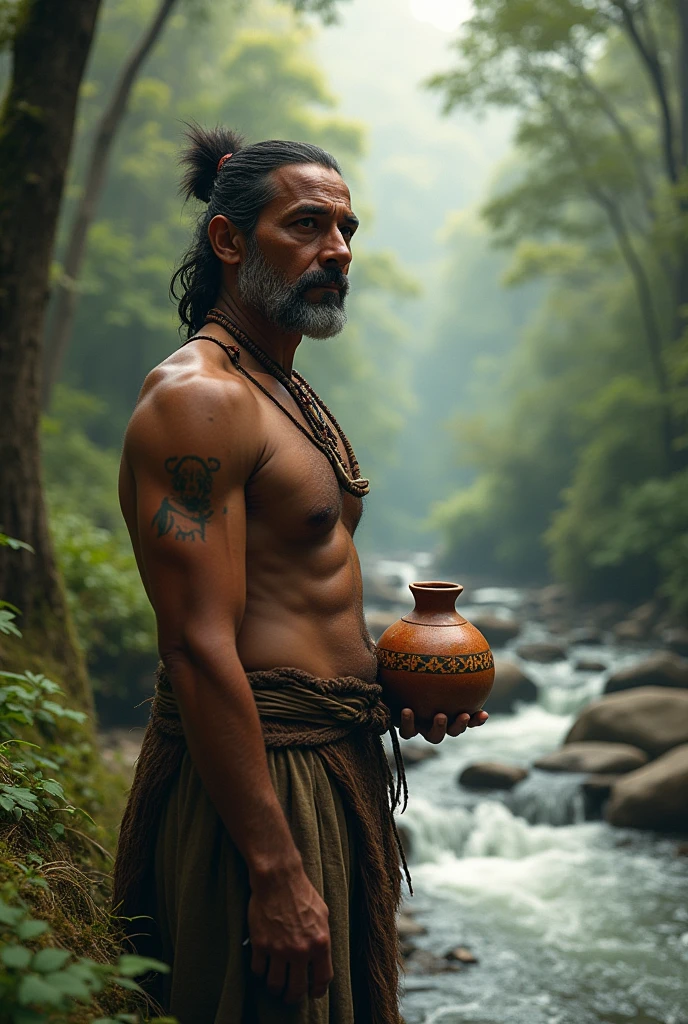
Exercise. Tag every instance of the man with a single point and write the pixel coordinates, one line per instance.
(258, 834)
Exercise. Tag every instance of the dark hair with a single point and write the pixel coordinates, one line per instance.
(239, 191)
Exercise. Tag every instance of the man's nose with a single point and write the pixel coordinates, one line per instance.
(335, 250)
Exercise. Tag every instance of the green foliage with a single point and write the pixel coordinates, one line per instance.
(594, 406)
(41, 978)
(642, 540)
(38, 984)
(112, 615)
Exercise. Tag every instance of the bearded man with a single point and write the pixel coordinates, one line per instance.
(259, 836)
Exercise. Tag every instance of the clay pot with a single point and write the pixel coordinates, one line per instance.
(432, 660)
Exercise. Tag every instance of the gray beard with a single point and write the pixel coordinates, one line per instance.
(283, 303)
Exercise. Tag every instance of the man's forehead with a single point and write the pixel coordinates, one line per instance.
(308, 183)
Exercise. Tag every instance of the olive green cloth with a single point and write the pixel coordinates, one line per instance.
(203, 892)
(177, 862)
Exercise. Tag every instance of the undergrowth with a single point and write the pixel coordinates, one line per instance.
(61, 956)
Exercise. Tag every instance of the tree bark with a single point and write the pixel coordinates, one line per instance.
(66, 295)
(50, 48)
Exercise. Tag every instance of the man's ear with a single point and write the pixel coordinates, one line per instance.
(228, 242)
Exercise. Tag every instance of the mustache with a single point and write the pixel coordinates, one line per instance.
(323, 278)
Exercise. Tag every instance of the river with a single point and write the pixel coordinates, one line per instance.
(572, 922)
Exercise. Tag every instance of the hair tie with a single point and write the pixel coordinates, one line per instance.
(222, 161)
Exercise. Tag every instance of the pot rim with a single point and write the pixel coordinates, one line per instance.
(438, 585)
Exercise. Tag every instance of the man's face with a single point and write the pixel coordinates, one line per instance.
(296, 264)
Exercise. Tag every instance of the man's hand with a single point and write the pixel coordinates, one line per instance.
(290, 937)
(440, 727)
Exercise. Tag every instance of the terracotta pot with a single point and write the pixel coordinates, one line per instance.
(432, 660)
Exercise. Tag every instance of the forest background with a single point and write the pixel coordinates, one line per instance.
(514, 373)
(496, 374)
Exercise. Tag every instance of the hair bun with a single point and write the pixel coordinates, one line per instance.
(205, 149)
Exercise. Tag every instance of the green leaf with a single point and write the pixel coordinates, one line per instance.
(52, 787)
(70, 984)
(31, 929)
(9, 915)
(14, 544)
(131, 966)
(16, 957)
(127, 983)
(47, 960)
(33, 989)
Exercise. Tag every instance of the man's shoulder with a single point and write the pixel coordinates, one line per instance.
(185, 397)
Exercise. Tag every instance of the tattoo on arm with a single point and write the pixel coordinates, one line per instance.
(187, 511)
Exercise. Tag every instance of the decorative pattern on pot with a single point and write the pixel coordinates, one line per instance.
(453, 664)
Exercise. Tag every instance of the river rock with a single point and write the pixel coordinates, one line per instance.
(589, 635)
(596, 791)
(492, 775)
(660, 669)
(677, 641)
(461, 955)
(631, 631)
(654, 718)
(422, 961)
(413, 754)
(589, 665)
(408, 927)
(542, 651)
(497, 631)
(594, 757)
(511, 686)
(654, 797)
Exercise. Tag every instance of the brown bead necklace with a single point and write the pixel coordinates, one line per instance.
(315, 412)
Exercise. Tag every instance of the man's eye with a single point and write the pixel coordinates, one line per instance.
(307, 222)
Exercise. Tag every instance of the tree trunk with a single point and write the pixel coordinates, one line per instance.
(50, 48)
(66, 296)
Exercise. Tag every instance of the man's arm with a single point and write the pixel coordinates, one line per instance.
(191, 448)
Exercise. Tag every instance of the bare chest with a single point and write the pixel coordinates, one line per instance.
(295, 489)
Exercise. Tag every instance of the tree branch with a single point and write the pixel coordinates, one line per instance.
(624, 132)
(650, 58)
(643, 288)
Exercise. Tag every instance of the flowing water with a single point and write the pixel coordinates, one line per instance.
(572, 922)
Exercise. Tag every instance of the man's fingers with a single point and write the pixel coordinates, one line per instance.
(407, 727)
(459, 725)
(277, 975)
(321, 973)
(479, 718)
(438, 730)
(297, 984)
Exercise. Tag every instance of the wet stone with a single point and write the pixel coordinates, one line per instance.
(589, 665)
(462, 955)
(492, 775)
(422, 961)
(543, 651)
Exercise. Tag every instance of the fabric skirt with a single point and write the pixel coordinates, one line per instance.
(202, 896)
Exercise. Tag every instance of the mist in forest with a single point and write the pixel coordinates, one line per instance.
(512, 374)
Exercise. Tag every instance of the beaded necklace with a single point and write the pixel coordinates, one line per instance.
(315, 412)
